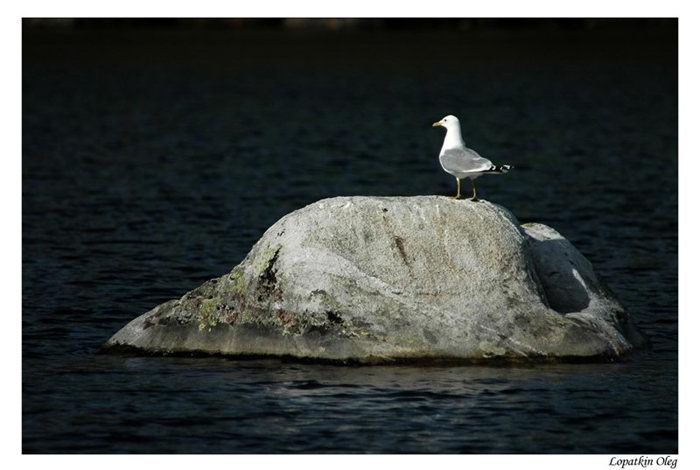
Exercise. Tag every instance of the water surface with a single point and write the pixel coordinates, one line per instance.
(153, 162)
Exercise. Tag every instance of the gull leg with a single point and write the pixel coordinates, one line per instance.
(458, 188)
(474, 198)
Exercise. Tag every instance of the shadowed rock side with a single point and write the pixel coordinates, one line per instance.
(379, 279)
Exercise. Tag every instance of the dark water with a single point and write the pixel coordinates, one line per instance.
(153, 161)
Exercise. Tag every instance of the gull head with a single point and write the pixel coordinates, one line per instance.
(447, 122)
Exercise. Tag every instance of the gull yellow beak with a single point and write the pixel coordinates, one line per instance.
(436, 124)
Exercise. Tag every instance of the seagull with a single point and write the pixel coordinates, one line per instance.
(460, 161)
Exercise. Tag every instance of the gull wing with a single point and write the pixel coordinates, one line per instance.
(463, 161)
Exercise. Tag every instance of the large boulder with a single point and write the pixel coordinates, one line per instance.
(381, 279)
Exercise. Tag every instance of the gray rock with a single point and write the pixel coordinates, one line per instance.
(381, 279)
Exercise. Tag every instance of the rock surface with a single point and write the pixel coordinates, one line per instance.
(381, 279)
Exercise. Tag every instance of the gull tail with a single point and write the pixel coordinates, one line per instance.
(499, 169)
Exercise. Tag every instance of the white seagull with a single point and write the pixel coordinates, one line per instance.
(460, 161)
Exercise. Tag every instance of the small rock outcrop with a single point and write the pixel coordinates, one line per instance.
(383, 279)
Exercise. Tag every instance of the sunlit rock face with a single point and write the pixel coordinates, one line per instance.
(387, 279)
